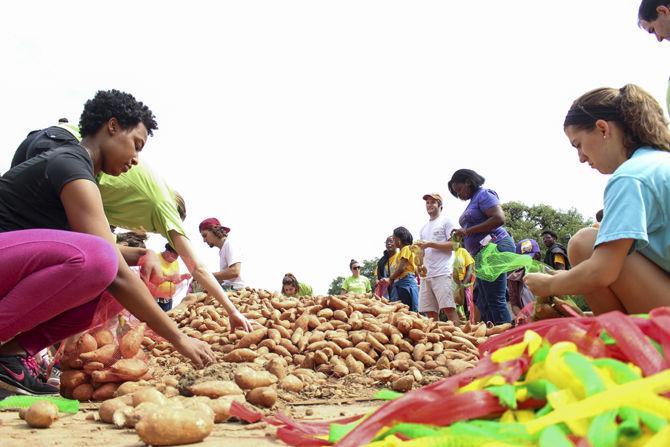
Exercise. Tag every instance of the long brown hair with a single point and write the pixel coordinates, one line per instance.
(636, 112)
(290, 280)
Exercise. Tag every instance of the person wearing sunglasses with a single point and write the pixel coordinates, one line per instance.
(356, 283)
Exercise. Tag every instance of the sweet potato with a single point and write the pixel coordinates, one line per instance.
(108, 407)
(221, 407)
(131, 342)
(103, 337)
(148, 394)
(105, 392)
(105, 376)
(277, 367)
(86, 343)
(72, 378)
(170, 426)
(291, 383)
(248, 379)
(83, 392)
(130, 368)
(104, 355)
(93, 366)
(41, 414)
(128, 388)
(263, 396)
(128, 417)
(215, 388)
(252, 338)
(200, 406)
(240, 355)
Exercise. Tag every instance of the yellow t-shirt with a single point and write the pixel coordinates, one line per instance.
(166, 289)
(559, 259)
(462, 259)
(407, 254)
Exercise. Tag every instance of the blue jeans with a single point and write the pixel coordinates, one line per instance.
(407, 291)
(490, 297)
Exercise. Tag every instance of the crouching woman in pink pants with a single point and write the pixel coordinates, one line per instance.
(57, 253)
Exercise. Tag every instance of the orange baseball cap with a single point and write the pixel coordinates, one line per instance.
(433, 195)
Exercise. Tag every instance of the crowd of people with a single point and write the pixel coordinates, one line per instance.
(68, 186)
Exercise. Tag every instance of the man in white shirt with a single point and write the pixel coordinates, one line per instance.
(230, 259)
(436, 290)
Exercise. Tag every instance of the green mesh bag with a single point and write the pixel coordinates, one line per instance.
(491, 263)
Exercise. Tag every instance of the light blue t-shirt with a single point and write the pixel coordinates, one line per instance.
(637, 205)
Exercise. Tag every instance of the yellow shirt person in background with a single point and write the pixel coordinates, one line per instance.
(170, 269)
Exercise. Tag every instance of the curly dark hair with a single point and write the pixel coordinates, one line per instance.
(108, 104)
(404, 235)
(467, 176)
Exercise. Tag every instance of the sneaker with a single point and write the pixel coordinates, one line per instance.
(19, 375)
(54, 377)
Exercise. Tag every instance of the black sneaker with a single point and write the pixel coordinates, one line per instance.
(17, 375)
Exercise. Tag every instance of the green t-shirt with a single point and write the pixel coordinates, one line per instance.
(357, 285)
(304, 290)
(139, 200)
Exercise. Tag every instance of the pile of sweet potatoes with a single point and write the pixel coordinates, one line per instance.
(300, 340)
(94, 364)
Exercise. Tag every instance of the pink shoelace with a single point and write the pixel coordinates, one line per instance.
(32, 366)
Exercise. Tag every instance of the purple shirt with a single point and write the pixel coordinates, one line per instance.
(474, 214)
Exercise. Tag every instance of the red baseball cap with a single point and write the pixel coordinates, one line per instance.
(211, 222)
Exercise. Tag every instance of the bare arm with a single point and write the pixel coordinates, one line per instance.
(230, 272)
(205, 278)
(83, 207)
(601, 270)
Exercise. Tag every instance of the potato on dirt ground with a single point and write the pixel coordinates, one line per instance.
(41, 414)
(248, 379)
(215, 388)
(264, 396)
(148, 394)
(108, 407)
(174, 426)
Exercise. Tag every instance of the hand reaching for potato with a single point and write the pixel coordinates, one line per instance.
(195, 350)
(237, 320)
(538, 283)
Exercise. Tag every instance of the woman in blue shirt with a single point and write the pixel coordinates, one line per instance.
(483, 220)
(621, 132)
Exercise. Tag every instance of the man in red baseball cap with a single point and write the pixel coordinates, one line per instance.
(230, 260)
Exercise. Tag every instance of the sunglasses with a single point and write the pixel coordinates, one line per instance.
(356, 267)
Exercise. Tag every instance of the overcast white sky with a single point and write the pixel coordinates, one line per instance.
(313, 128)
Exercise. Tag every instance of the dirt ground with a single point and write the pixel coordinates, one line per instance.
(77, 431)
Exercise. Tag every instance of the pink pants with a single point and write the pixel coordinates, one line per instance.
(50, 284)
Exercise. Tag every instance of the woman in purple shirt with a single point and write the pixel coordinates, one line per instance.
(483, 217)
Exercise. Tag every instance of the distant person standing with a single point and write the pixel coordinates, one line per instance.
(436, 289)
(356, 283)
(556, 256)
(402, 282)
(170, 269)
(230, 259)
(482, 222)
(384, 268)
(291, 287)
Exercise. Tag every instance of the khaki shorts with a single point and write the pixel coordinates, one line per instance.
(436, 293)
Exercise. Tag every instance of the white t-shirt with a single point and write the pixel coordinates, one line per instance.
(227, 257)
(437, 262)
